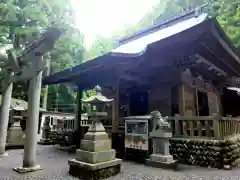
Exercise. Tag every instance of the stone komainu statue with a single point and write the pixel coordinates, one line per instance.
(158, 121)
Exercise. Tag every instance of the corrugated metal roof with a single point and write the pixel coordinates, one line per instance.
(132, 47)
(140, 44)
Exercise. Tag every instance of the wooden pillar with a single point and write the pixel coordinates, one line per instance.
(196, 99)
(78, 110)
(77, 124)
(115, 109)
(214, 103)
(187, 100)
(116, 142)
(181, 100)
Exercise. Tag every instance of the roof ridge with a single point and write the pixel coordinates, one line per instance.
(180, 17)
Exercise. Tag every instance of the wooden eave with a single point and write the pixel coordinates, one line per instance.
(163, 54)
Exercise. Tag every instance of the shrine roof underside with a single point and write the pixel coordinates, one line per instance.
(163, 49)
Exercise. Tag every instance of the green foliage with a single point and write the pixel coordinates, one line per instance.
(159, 13)
(68, 52)
(22, 21)
(227, 12)
(228, 15)
(100, 46)
(167, 9)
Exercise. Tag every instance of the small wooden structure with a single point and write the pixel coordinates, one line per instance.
(62, 125)
(137, 132)
(180, 68)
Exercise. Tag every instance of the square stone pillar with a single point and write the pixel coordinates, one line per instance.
(160, 136)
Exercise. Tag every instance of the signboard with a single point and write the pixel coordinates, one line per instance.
(136, 134)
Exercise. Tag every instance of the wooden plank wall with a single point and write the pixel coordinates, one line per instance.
(187, 100)
(214, 103)
(160, 99)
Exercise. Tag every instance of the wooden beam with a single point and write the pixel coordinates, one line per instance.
(139, 80)
(209, 66)
(234, 81)
(208, 74)
(124, 73)
(225, 45)
(197, 83)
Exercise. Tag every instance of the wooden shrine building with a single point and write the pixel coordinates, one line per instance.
(181, 66)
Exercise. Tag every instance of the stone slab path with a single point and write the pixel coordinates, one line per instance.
(55, 167)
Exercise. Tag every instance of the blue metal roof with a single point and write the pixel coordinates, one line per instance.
(135, 47)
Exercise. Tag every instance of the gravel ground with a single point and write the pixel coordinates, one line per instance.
(55, 167)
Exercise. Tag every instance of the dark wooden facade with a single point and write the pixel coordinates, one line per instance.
(183, 73)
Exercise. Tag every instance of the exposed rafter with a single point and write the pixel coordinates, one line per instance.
(210, 66)
(196, 82)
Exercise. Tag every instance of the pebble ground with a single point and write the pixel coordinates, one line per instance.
(55, 167)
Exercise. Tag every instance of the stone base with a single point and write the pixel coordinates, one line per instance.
(161, 158)
(14, 146)
(95, 157)
(28, 169)
(164, 165)
(3, 155)
(160, 161)
(45, 142)
(69, 149)
(97, 171)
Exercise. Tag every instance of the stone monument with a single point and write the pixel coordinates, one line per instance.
(15, 136)
(160, 135)
(95, 159)
(45, 140)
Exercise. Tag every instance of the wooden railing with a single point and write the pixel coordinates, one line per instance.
(228, 126)
(68, 125)
(192, 126)
(202, 127)
(85, 123)
(210, 127)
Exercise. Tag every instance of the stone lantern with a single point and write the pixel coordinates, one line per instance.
(45, 140)
(95, 159)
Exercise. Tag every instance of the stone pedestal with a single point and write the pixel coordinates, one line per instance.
(95, 159)
(161, 157)
(15, 136)
(45, 142)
